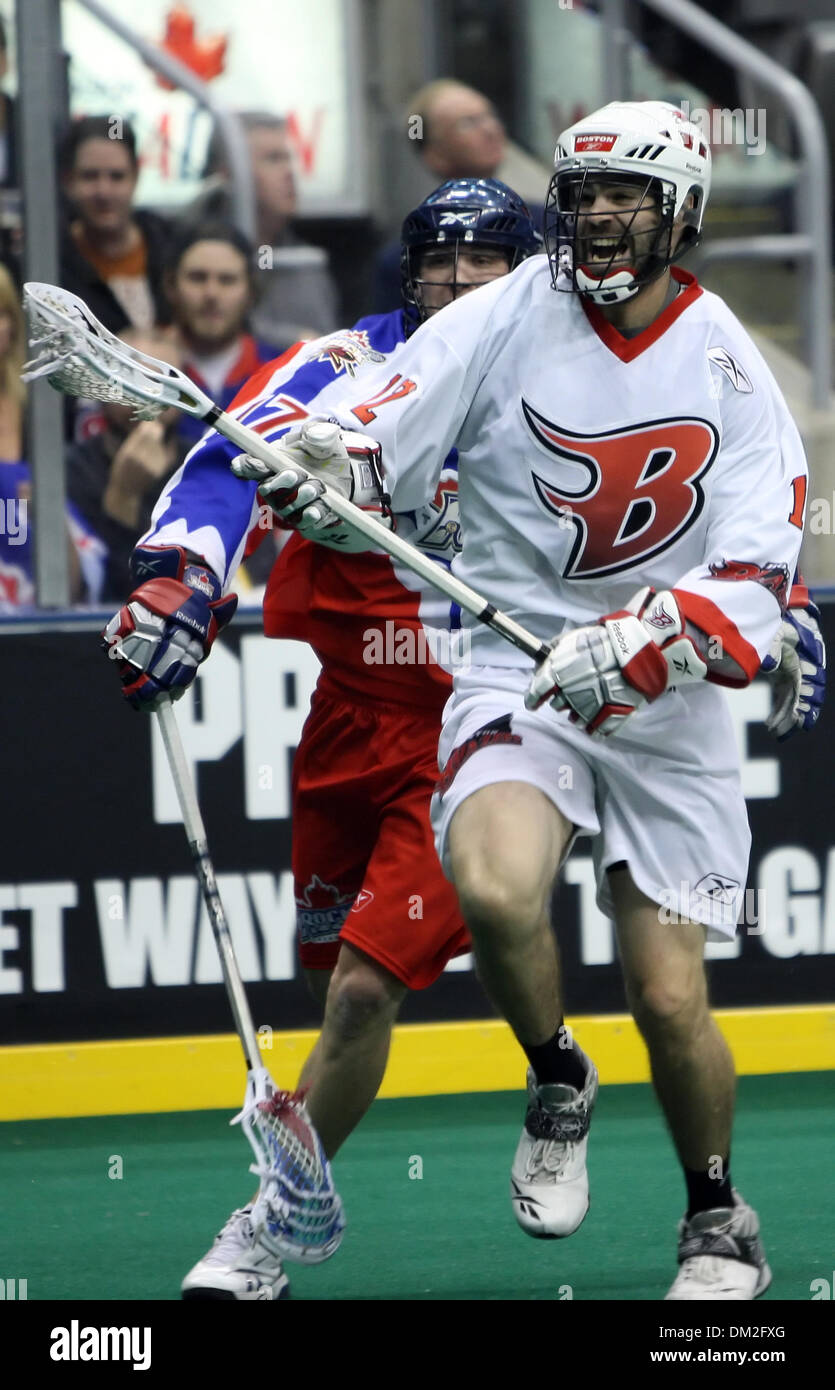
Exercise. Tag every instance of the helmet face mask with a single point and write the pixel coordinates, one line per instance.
(451, 243)
(626, 200)
(608, 235)
(438, 274)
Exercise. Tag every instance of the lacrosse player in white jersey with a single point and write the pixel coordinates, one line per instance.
(631, 490)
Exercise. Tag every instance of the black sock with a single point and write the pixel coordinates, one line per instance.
(704, 1192)
(556, 1061)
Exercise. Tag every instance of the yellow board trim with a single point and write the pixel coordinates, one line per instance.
(205, 1073)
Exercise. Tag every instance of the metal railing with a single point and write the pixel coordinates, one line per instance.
(810, 245)
(39, 123)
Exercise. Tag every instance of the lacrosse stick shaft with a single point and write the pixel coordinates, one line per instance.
(195, 831)
(469, 599)
(304, 1216)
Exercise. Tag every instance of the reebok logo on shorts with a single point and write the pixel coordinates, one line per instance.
(718, 888)
(488, 736)
(363, 898)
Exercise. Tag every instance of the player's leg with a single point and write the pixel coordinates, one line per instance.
(346, 1067)
(317, 982)
(666, 988)
(512, 794)
(505, 846)
(402, 930)
(506, 843)
(694, 1078)
(343, 1072)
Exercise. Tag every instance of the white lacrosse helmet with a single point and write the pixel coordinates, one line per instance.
(648, 142)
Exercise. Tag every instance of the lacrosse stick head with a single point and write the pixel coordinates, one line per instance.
(79, 356)
(298, 1211)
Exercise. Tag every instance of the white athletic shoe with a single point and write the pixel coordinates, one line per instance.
(549, 1185)
(238, 1266)
(721, 1255)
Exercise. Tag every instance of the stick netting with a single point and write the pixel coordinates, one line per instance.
(297, 1204)
(80, 357)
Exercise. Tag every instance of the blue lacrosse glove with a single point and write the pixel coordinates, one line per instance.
(167, 627)
(796, 667)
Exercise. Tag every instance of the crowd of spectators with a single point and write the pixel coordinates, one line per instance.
(190, 291)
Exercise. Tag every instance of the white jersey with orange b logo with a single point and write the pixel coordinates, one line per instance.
(591, 464)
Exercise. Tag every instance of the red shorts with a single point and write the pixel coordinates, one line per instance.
(364, 860)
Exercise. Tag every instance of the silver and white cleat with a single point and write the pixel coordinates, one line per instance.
(721, 1256)
(549, 1185)
(238, 1266)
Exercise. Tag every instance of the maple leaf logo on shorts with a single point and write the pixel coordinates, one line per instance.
(321, 910)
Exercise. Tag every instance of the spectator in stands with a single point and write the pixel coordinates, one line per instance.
(211, 284)
(16, 585)
(297, 296)
(115, 476)
(112, 254)
(459, 135)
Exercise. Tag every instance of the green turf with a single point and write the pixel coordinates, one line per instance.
(75, 1233)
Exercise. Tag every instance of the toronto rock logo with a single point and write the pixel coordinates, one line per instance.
(321, 910)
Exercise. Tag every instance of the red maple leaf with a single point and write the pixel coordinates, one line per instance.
(205, 57)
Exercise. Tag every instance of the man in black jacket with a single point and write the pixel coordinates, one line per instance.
(112, 255)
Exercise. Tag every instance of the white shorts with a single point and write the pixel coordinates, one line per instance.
(664, 795)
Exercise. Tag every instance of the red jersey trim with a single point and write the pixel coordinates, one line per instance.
(714, 623)
(247, 361)
(627, 349)
(256, 383)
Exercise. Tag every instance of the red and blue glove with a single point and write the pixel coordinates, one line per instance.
(796, 666)
(167, 627)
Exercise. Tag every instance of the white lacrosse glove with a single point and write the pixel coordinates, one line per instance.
(796, 667)
(348, 462)
(607, 670)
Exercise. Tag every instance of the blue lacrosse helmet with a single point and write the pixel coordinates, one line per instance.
(459, 214)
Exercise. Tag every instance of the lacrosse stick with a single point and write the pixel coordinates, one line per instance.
(80, 357)
(297, 1203)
